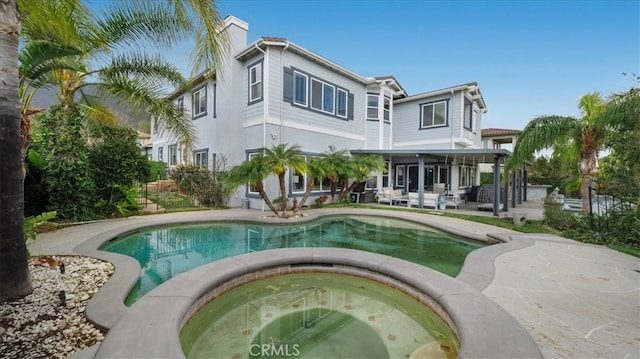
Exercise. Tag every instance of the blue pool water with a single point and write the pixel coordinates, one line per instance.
(165, 252)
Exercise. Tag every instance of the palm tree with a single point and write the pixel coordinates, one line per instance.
(576, 139)
(336, 167)
(281, 158)
(360, 168)
(316, 170)
(198, 16)
(251, 172)
(15, 281)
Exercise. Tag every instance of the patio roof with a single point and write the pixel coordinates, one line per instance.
(478, 155)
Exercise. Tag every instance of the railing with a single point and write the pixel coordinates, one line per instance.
(181, 188)
(616, 216)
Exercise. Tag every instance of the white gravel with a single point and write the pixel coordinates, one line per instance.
(39, 326)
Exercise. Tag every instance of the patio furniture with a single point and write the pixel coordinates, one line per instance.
(454, 201)
(428, 200)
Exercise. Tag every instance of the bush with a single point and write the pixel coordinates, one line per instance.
(155, 167)
(120, 201)
(60, 139)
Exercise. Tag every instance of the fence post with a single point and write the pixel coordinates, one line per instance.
(590, 209)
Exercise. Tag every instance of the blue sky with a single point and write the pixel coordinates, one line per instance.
(529, 58)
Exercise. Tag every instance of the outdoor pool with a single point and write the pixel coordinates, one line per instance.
(164, 252)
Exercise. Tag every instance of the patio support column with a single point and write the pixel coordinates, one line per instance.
(496, 184)
(525, 182)
(420, 181)
(520, 189)
(514, 188)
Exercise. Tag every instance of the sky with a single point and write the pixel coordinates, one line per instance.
(529, 58)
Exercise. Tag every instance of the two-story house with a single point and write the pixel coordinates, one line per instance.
(273, 91)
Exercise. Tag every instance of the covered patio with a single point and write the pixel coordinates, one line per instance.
(452, 173)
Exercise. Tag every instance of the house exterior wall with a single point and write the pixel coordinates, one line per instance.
(235, 126)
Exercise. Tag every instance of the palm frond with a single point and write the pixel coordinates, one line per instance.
(541, 133)
(127, 23)
(149, 69)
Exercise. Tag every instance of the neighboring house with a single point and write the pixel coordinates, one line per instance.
(273, 91)
(144, 141)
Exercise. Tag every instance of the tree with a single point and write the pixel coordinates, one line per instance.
(336, 167)
(251, 173)
(280, 159)
(15, 281)
(578, 140)
(359, 168)
(316, 171)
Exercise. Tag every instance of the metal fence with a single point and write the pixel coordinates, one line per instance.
(609, 213)
(182, 189)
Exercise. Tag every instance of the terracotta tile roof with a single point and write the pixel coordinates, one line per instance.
(491, 132)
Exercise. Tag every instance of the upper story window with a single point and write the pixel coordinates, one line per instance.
(199, 102)
(433, 114)
(307, 91)
(387, 108)
(160, 152)
(300, 88)
(341, 103)
(180, 104)
(255, 82)
(372, 106)
(322, 96)
(468, 115)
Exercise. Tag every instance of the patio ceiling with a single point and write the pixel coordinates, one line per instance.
(459, 156)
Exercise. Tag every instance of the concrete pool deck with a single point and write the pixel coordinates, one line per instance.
(575, 300)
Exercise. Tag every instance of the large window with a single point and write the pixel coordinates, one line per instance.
(307, 91)
(433, 114)
(466, 176)
(173, 155)
(255, 82)
(252, 188)
(300, 88)
(201, 159)
(372, 106)
(322, 96)
(342, 103)
(199, 102)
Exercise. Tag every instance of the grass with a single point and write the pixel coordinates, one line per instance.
(628, 250)
(171, 200)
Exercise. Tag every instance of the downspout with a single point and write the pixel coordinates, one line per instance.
(286, 46)
(265, 102)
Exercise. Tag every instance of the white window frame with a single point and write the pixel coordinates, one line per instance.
(305, 180)
(249, 191)
(344, 93)
(386, 108)
(160, 153)
(399, 176)
(325, 87)
(433, 116)
(197, 158)
(173, 155)
(371, 107)
(255, 72)
(198, 98)
(296, 101)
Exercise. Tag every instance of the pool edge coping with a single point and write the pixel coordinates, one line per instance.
(105, 309)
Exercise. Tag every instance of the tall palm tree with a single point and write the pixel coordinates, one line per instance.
(15, 281)
(198, 16)
(281, 158)
(576, 139)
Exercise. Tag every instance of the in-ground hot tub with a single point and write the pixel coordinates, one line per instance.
(318, 312)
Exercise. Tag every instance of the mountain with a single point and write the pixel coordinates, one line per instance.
(127, 115)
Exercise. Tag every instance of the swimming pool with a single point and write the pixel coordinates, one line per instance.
(164, 252)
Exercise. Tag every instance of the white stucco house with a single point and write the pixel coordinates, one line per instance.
(273, 91)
